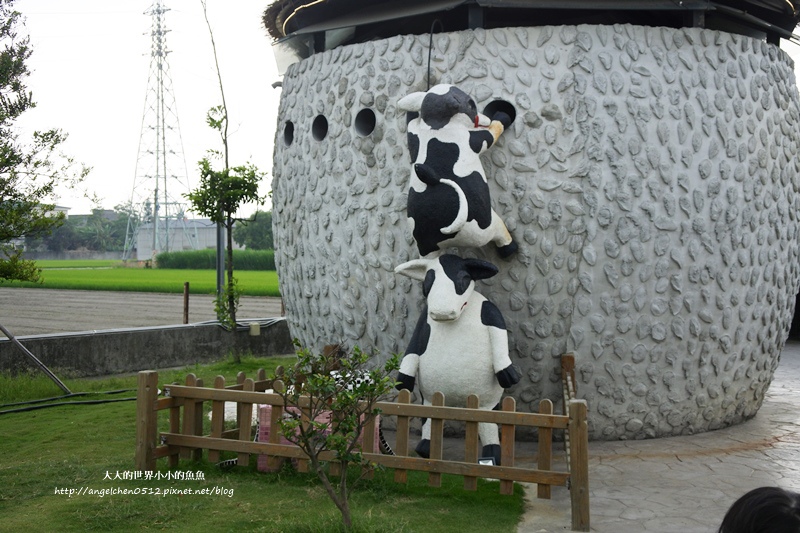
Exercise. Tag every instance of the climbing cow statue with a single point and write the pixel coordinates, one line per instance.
(448, 201)
(460, 344)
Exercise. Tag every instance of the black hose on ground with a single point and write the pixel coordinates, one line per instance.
(37, 404)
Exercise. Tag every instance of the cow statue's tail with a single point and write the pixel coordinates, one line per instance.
(427, 175)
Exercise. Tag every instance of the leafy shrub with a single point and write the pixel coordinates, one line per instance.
(329, 398)
(207, 259)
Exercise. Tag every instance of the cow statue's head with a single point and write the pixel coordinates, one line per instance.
(448, 282)
(441, 104)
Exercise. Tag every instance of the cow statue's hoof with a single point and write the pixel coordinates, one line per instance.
(405, 382)
(508, 376)
(493, 451)
(423, 448)
(508, 250)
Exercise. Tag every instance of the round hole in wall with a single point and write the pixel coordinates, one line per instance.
(365, 122)
(319, 128)
(288, 133)
(500, 105)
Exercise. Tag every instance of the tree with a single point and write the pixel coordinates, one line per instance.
(222, 192)
(336, 393)
(255, 233)
(101, 231)
(64, 237)
(218, 197)
(29, 171)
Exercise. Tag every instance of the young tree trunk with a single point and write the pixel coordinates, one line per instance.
(231, 293)
(339, 498)
(345, 508)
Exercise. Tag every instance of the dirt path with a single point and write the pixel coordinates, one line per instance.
(43, 311)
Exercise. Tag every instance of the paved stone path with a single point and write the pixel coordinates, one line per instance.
(686, 484)
(42, 311)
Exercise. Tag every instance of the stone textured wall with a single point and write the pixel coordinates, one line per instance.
(650, 178)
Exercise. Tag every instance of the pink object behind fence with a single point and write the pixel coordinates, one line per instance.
(264, 415)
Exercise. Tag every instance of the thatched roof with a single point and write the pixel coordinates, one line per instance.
(276, 14)
(286, 17)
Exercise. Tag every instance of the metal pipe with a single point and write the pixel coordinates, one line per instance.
(186, 302)
(35, 360)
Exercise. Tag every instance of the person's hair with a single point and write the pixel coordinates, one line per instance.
(764, 510)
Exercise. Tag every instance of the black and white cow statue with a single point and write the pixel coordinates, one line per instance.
(448, 201)
(460, 344)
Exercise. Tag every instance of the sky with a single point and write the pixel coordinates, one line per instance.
(89, 74)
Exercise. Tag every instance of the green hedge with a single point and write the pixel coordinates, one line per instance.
(207, 259)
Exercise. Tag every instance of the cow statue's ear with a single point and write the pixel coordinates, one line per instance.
(414, 269)
(411, 103)
(480, 269)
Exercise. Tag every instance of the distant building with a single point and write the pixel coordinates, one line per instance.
(189, 234)
(20, 242)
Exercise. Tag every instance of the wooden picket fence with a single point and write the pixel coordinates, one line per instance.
(185, 437)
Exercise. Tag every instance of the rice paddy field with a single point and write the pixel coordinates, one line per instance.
(115, 276)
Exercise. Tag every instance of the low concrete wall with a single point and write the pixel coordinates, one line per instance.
(99, 353)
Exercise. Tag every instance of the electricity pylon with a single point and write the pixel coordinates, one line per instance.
(157, 203)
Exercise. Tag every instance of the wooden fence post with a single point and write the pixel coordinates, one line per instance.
(174, 427)
(545, 460)
(507, 441)
(146, 421)
(245, 423)
(189, 418)
(240, 377)
(471, 443)
(401, 437)
(437, 440)
(275, 433)
(368, 442)
(217, 419)
(198, 423)
(579, 464)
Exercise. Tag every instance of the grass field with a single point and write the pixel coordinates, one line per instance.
(78, 263)
(85, 446)
(109, 276)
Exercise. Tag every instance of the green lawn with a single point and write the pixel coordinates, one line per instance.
(106, 276)
(76, 447)
(79, 263)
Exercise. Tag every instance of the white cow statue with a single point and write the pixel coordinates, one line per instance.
(460, 344)
(449, 202)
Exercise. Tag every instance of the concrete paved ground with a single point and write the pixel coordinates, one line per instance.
(42, 311)
(686, 484)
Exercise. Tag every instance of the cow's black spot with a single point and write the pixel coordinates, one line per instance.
(479, 269)
(453, 267)
(442, 157)
(491, 315)
(421, 335)
(508, 377)
(413, 145)
(431, 210)
(476, 190)
(438, 109)
(426, 174)
(430, 278)
(478, 138)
